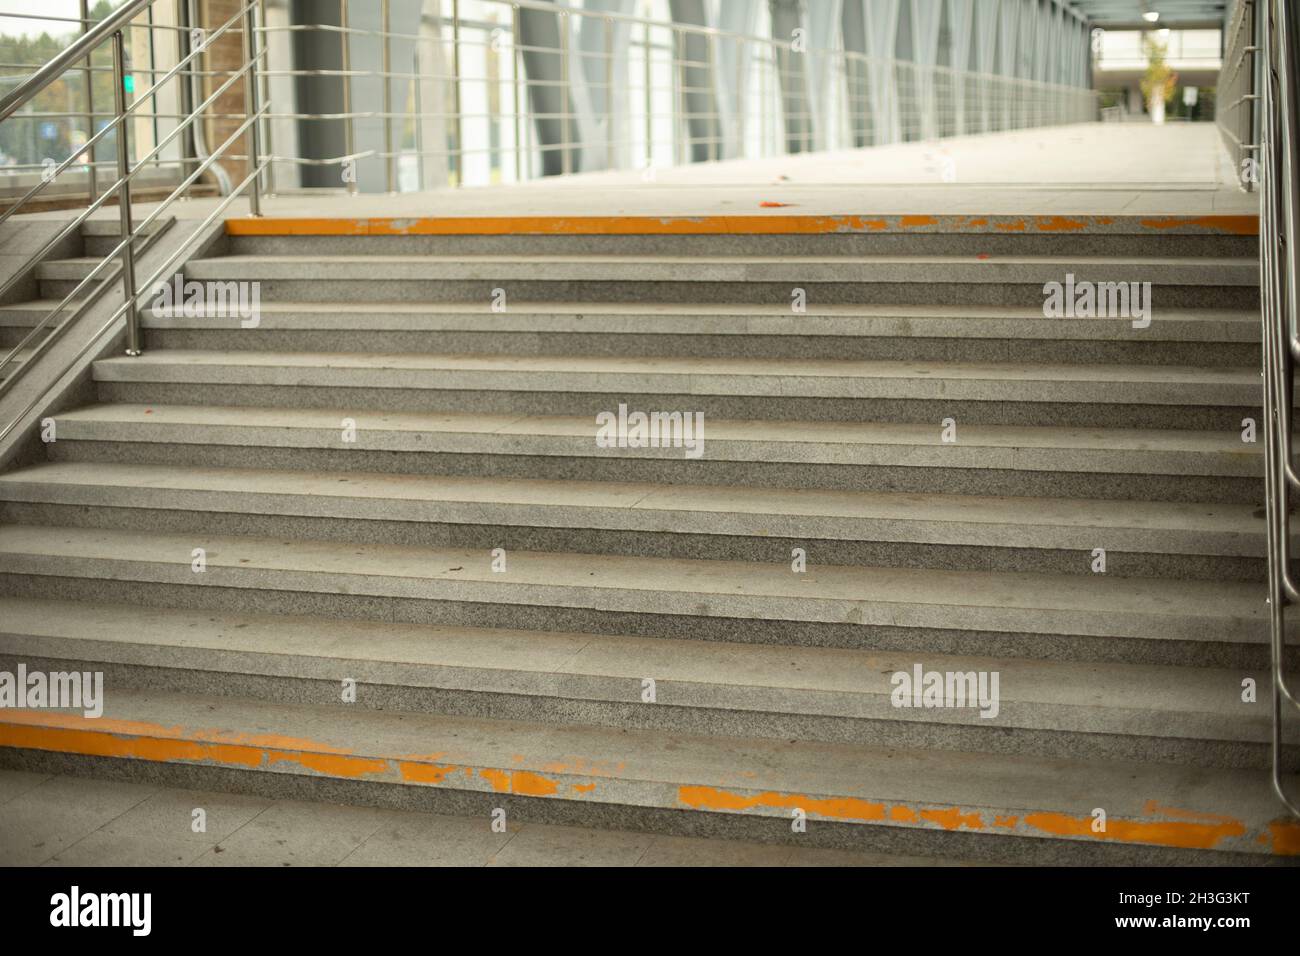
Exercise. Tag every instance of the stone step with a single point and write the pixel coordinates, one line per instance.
(1140, 236)
(969, 393)
(914, 280)
(1133, 464)
(1206, 337)
(1040, 708)
(976, 613)
(959, 532)
(973, 806)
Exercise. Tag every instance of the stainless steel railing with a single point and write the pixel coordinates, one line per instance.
(1237, 96)
(1279, 284)
(120, 263)
(624, 92)
(451, 100)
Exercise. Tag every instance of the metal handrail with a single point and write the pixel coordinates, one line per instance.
(69, 56)
(1279, 282)
(123, 253)
(97, 336)
(95, 204)
(723, 125)
(765, 67)
(1238, 100)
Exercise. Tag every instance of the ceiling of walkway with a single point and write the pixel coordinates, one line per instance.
(1173, 13)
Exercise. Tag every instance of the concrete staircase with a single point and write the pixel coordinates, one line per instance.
(524, 685)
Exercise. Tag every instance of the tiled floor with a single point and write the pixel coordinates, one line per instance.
(74, 821)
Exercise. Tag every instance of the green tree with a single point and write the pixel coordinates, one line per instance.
(1159, 80)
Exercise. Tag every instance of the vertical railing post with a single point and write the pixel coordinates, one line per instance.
(264, 93)
(681, 125)
(649, 102)
(124, 195)
(251, 110)
(88, 77)
(455, 93)
(740, 99)
(1249, 129)
(386, 59)
(518, 71)
(715, 123)
(566, 135)
(349, 133)
(609, 93)
(419, 116)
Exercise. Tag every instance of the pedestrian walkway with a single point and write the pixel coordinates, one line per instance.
(1098, 169)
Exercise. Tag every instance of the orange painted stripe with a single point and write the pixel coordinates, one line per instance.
(1187, 832)
(1235, 225)
(724, 225)
(143, 740)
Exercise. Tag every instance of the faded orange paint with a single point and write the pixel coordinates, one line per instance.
(143, 740)
(114, 725)
(708, 225)
(413, 771)
(161, 749)
(1059, 224)
(579, 765)
(1154, 808)
(332, 765)
(953, 819)
(521, 782)
(838, 808)
(1284, 837)
(1234, 225)
(1182, 834)
(533, 784)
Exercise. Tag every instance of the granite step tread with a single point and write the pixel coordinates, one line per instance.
(1087, 605)
(1165, 527)
(1146, 805)
(1191, 703)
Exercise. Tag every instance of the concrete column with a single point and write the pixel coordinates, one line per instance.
(549, 102)
(961, 25)
(313, 50)
(792, 66)
(881, 21)
(924, 20)
(431, 97)
(857, 81)
(732, 75)
(824, 91)
(987, 16)
(327, 138)
(366, 53)
(696, 74)
(601, 60)
(1008, 59)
